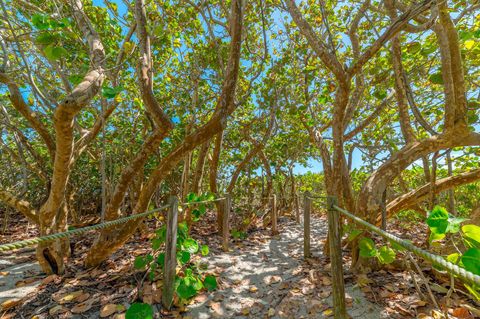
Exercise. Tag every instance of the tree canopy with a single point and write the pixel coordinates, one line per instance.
(108, 107)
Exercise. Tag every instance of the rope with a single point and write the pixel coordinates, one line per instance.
(434, 259)
(69, 233)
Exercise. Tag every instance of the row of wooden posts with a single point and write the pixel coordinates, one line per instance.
(226, 202)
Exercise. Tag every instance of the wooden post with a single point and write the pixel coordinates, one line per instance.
(306, 224)
(227, 205)
(274, 215)
(297, 206)
(170, 253)
(335, 244)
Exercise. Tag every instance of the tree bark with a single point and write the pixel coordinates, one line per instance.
(412, 198)
(110, 241)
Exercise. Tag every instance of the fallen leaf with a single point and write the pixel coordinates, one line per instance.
(271, 312)
(326, 281)
(58, 309)
(68, 297)
(23, 283)
(82, 307)
(253, 289)
(108, 310)
(363, 280)
(462, 313)
(217, 308)
(49, 279)
(82, 297)
(10, 303)
(201, 298)
(328, 312)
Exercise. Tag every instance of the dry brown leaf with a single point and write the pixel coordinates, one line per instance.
(49, 279)
(201, 298)
(68, 297)
(363, 280)
(10, 303)
(217, 308)
(82, 297)
(271, 312)
(326, 281)
(58, 309)
(462, 313)
(23, 283)
(108, 310)
(82, 307)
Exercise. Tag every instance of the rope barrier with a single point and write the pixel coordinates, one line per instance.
(72, 232)
(434, 259)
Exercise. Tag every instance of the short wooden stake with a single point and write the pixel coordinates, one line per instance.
(274, 215)
(306, 224)
(335, 245)
(227, 205)
(170, 253)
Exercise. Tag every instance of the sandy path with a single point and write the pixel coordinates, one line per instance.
(265, 280)
(19, 275)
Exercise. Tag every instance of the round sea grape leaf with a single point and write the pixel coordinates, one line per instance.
(139, 311)
(471, 260)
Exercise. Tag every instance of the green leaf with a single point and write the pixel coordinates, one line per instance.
(54, 53)
(162, 233)
(182, 230)
(396, 246)
(191, 197)
(367, 247)
(110, 93)
(471, 235)
(435, 237)
(205, 250)
(156, 243)
(184, 257)
(185, 291)
(46, 38)
(353, 234)
(210, 282)
(436, 78)
(190, 245)
(196, 283)
(438, 220)
(142, 261)
(386, 255)
(40, 21)
(414, 47)
(453, 258)
(75, 79)
(475, 291)
(161, 259)
(139, 311)
(471, 260)
(454, 224)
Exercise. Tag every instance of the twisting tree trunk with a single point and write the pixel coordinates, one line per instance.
(110, 241)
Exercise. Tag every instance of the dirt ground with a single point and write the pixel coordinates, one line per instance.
(260, 277)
